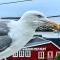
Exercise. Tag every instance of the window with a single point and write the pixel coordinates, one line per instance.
(50, 54)
(27, 53)
(41, 55)
(21, 53)
(15, 55)
(57, 53)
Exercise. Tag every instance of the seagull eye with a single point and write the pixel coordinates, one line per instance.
(40, 16)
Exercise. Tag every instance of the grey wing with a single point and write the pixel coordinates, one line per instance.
(3, 28)
(5, 40)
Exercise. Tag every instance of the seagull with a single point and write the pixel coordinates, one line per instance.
(16, 34)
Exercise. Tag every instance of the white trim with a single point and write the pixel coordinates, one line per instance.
(44, 43)
(41, 52)
(51, 54)
(55, 45)
(38, 44)
(57, 52)
(27, 53)
(21, 53)
(41, 43)
(4, 59)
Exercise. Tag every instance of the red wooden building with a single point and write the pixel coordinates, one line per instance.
(37, 49)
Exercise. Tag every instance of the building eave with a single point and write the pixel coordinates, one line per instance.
(43, 44)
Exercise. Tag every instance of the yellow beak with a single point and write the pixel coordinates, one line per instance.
(53, 24)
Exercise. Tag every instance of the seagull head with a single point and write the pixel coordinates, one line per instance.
(33, 18)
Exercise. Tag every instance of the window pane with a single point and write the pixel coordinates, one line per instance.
(27, 53)
(21, 53)
(41, 55)
(15, 55)
(57, 53)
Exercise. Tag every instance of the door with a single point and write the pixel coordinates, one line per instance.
(50, 55)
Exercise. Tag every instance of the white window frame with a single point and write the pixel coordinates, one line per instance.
(21, 53)
(15, 54)
(51, 53)
(27, 53)
(42, 52)
(57, 52)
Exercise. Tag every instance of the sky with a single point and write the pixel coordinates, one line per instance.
(48, 7)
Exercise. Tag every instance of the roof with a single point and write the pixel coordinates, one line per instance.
(41, 41)
(55, 40)
(36, 41)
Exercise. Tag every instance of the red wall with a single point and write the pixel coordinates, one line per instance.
(34, 53)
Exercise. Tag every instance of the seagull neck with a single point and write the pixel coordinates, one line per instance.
(26, 27)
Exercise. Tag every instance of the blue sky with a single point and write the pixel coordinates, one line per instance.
(48, 7)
